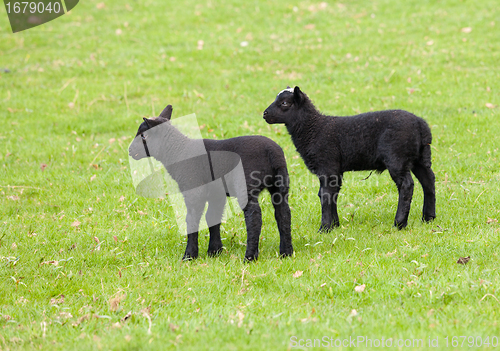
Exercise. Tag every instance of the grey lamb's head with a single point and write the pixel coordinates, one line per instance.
(140, 147)
(286, 106)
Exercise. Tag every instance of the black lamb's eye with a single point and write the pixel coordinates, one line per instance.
(284, 103)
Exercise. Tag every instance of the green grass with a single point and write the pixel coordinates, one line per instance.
(359, 56)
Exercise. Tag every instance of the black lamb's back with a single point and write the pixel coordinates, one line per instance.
(362, 142)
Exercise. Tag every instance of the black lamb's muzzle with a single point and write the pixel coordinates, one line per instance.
(269, 119)
(266, 116)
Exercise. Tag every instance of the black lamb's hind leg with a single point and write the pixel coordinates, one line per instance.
(214, 216)
(193, 217)
(427, 179)
(283, 220)
(404, 182)
(253, 221)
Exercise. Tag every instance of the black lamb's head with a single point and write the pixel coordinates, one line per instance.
(286, 106)
(139, 147)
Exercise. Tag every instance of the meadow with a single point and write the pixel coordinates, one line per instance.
(87, 264)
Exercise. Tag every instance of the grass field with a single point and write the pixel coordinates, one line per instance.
(79, 250)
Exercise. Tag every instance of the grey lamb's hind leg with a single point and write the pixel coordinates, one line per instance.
(194, 213)
(253, 221)
(283, 220)
(214, 216)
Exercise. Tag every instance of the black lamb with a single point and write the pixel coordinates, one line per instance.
(201, 175)
(395, 140)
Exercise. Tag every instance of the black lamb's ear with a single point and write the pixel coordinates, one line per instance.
(298, 96)
(148, 122)
(167, 112)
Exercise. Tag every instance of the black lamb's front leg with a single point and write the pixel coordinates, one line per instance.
(328, 193)
(253, 221)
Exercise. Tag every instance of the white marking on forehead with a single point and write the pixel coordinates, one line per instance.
(290, 90)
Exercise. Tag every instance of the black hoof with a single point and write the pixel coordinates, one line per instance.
(327, 228)
(190, 256)
(286, 254)
(428, 218)
(251, 258)
(215, 252)
(400, 225)
(324, 229)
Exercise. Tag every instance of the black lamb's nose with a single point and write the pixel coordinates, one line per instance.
(265, 112)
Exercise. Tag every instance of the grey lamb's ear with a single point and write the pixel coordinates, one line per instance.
(298, 96)
(288, 87)
(167, 112)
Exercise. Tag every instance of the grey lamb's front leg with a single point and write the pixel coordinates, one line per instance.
(194, 212)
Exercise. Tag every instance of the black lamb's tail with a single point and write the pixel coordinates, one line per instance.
(426, 140)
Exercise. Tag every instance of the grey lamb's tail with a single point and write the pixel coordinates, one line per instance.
(278, 163)
(282, 180)
(426, 140)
